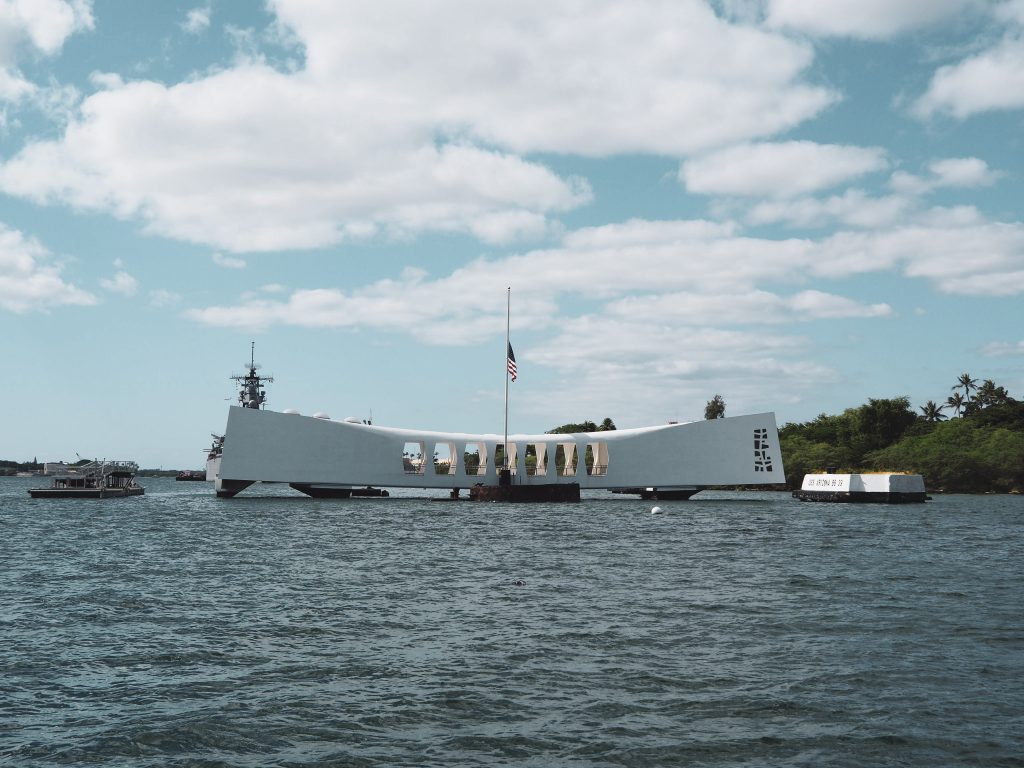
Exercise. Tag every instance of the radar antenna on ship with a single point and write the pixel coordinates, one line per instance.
(251, 393)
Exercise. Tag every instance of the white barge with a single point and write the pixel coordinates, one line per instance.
(864, 487)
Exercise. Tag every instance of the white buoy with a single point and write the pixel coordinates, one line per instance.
(655, 510)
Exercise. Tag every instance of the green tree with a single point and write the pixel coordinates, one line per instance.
(715, 409)
(1008, 415)
(881, 422)
(960, 456)
(968, 384)
(802, 455)
(956, 402)
(933, 411)
(585, 426)
(988, 394)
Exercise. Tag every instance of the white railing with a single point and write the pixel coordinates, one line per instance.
(99, 468)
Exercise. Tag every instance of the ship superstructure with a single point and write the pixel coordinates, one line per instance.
(251, 392)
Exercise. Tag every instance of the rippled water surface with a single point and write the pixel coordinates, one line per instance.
(734, 629)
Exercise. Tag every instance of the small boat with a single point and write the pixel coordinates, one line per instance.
(863, 487)
(191, 474)
(93, 480)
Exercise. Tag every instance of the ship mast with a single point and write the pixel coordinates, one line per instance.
(251, 393)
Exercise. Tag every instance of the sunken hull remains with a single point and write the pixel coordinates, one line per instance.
(267, 446)
(506, 491)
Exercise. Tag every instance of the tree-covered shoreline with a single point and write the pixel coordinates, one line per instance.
(8, 467)
(979, 450)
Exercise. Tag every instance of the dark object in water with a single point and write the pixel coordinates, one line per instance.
(546, 492)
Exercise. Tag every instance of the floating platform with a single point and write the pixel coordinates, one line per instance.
(863, 488)
(93, 480)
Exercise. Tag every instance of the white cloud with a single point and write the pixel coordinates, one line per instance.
(990, 80)
(228, 262)
(44, 25)
(249, 160)
(613, 364)
(853, 208)
(963, 172)
(29, 281)
(643, 264)
(958, 251)
(681, 304)
(1011, 11)
(868, 19)
(1003, 349)
(602, 262)
(857, 208)
(197, 20)
(384, 131)
(780, 170)
(819, 305)
(13, 86)
(751, 307)
(558, 78)
(121, 282)
(161, 297)
(948, 172)
(106, 80)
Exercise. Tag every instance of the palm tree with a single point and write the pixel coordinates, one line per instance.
(956, 402)
(933, 411)
(986, 393)
(968, 384)
(1000, 396)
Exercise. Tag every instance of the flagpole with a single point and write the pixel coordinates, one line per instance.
(508, 319)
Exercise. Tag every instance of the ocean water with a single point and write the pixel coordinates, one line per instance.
(733, 629)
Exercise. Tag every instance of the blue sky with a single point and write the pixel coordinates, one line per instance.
(795, 204)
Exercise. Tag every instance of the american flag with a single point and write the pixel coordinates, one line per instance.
(511, 362)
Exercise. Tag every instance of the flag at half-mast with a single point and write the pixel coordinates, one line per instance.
(511, 362)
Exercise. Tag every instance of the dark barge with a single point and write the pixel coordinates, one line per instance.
(94, 480)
